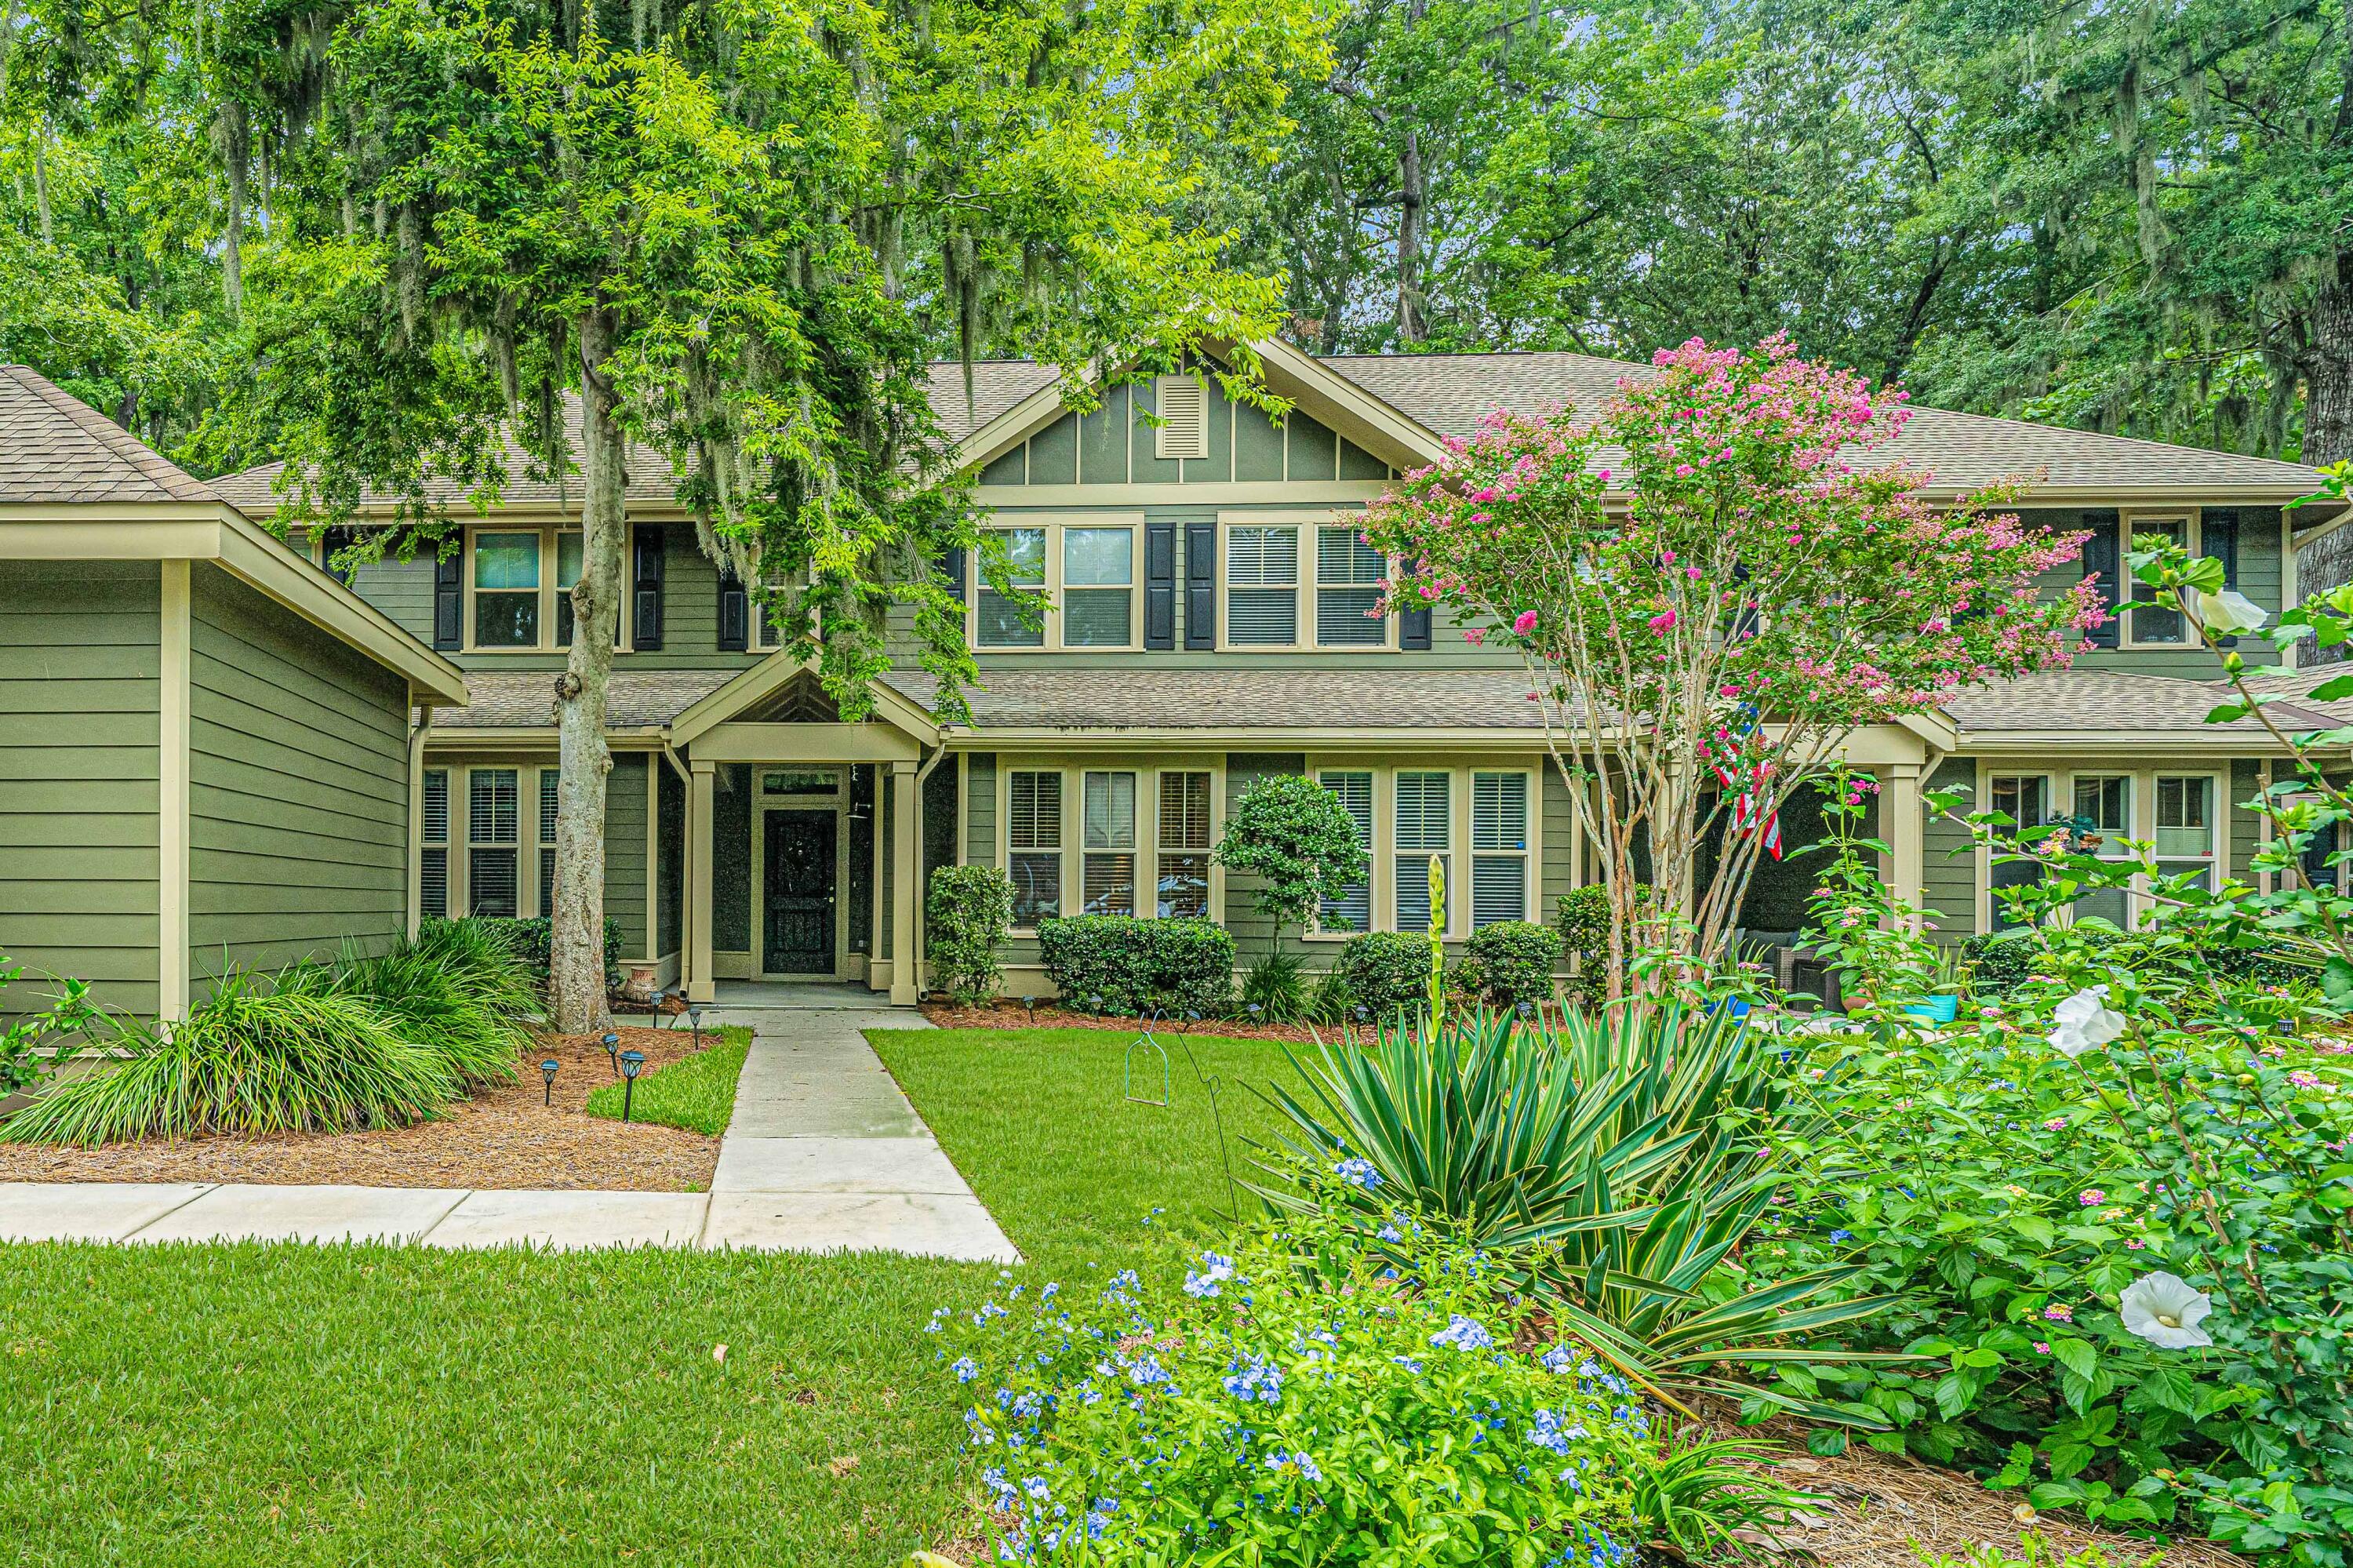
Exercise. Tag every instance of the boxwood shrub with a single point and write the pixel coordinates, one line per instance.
(1387, 971)
(1116, 963)
(1515, 959)
(968, 913)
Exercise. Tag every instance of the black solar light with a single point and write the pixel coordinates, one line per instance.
(612, 1047)
(694, 1016)
(632, 1064)
(547, 1073)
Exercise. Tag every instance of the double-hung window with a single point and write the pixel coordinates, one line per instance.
(2025, 799)
(492, 842)
(2185, 826)
(1352, 910)
(549, 779)
(2103, 807)
(1085, 570)
(1499, 848)
(1425, 829)
(2155, 618)
(567, 574)
(1033, 838)
(433, 856)
(506, 589)
(1182, 844)
(1348, 574)
(1107, 860)
(1262, 586)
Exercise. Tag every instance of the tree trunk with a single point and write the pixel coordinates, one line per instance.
(233, 156)
(41, 182)
(2327, 365)
(1413, 325)
(576, 997)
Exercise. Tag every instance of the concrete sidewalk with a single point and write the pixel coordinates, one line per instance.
(823, 1154)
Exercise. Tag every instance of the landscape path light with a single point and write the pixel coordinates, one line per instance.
(632, 1064)
(547, 1072)
(612, 1048)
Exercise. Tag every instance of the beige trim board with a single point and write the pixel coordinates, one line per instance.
(1216, 493)
(2122, 743)
(173, 769)
(770, 675)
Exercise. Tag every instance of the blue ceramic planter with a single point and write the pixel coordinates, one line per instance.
(1934, 1009)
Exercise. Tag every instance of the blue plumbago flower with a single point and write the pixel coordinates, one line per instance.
(1216, 1269)
(1053, 1288)
(1552, 1432)
(1357, 1173)
(1387, 1234)
(987, 1309)
(1292, 1459)
(1037, 1488)
(1408, 1363)
(1463, 1334)
(1254, 1378)
(965, 1368)
(1003, 1490)
(1560, 1359)
(1123, 1287)
(1144, 1370)
(1841, 1235)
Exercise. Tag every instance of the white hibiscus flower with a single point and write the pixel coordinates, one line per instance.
(2227, 612)
(2162, 1309)
(2084, 1021)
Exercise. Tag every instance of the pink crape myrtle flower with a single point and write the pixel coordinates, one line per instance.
(1524, 622)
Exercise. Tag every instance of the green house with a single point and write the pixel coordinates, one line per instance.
(1210, 627)
(207, 744)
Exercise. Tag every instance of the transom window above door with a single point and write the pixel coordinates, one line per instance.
(1085, 569)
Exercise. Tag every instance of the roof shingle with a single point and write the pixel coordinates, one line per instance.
(56, 448)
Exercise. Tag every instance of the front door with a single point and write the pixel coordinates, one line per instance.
(797, 936)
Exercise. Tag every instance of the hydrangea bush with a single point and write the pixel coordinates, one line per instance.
(1295, 1400)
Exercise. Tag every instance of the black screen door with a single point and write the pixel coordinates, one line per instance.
(797, 936)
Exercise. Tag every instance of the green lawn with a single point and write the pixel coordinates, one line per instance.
(697, 1092)
(366, 1405)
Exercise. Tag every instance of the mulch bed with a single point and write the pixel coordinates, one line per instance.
(1013, 1015)
(501, 1136)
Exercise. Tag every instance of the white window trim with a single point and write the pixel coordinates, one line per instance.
(1305, 585)
(464, 902)
(2192, 518)
(1458, 852)
(1054, 524)
(1147, 772)
(548, 556)
(2061, 784)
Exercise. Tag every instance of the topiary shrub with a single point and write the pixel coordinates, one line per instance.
(1116, 963)
(1387, 971)
(1582, 916)
(1515, 961)
(966, 917)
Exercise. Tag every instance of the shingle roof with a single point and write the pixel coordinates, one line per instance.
(649, 479)
(2093, 701)
(996, 386)
(525, 699)
(1449, 393)
(56, 448)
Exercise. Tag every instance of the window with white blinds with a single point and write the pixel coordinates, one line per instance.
(1033, 841)
(492, 836)
(1425, 823)
(1348, 574)
(1182, 843)
(1353, 910)
(433, 856)
(549, 789)
(1499, 848)
(1107, 858)
(1262, 586)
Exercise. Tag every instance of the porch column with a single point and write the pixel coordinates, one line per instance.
(699, 822)
(1901, 826)
(904, 892)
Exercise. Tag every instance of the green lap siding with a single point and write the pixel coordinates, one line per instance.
(625, 851)
(1949, 866)
(80, 719)
(297, 788)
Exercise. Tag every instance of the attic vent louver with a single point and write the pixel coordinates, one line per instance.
(1184, 407)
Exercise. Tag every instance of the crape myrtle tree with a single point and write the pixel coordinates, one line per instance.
(736, 239)
(1712, 589)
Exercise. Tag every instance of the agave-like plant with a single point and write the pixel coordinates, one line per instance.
(1616, 1165)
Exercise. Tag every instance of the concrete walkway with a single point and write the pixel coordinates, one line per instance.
(823, 1154)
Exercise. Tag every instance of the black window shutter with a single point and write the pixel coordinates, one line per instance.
(2218, 536)
(646, 596)
(448, 602)
(734, 616)
(1200, 585)
(950, 566)
(1160, 585)
(331, 542)
(2100, 560)
(1413, 623)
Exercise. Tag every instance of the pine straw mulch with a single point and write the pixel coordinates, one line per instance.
(502, 1137)
(1879, 1511)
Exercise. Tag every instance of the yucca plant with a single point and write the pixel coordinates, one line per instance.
(292, 1058)
(1615, 1166)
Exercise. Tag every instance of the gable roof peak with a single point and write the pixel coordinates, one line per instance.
(54, 448)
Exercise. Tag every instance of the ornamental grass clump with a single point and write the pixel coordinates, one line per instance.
(1294, 1399)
